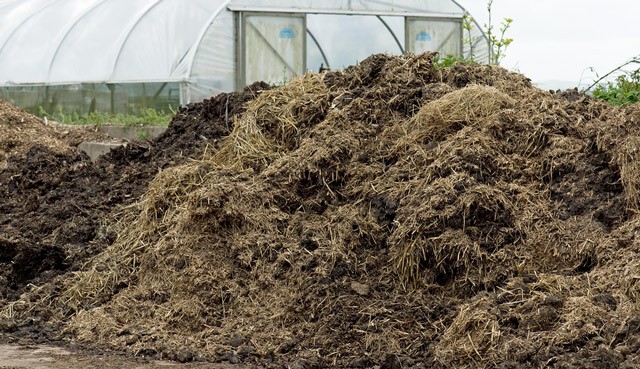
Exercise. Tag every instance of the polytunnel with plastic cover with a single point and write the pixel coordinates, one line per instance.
(124, 55)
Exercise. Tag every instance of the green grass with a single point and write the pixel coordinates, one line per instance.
(147, 116)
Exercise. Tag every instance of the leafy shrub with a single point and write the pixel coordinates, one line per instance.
(625, 89)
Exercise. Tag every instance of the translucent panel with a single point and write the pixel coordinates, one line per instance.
(355, 39)
(274, 48)
(12, 16)
(214, 64)
(432, 34)
(87, 55)
(62, 41)
(158, 44)
(27, 53)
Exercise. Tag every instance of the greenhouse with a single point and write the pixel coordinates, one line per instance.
(123, 55)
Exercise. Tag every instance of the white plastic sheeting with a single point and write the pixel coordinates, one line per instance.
(199, 44)
(67, 41)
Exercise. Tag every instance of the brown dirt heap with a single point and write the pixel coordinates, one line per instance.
(391, 214)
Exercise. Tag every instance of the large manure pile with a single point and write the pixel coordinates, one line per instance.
(390, 214)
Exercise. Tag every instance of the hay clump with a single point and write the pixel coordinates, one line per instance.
(273, 123)
(472, 336)
(437, 232)
(228, 221)
(473, 104)
(627, 158)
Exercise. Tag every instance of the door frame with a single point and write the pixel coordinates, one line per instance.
(241, 41)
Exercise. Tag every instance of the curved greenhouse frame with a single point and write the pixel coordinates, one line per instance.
(122, 55)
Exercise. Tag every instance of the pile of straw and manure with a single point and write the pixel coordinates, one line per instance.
(393, 214)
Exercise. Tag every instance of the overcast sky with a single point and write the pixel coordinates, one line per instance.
(559, 40)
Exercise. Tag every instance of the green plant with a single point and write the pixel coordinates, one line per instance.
(625, 89)
(468, 38)
(498, 41)
(449, 60)
(284, 79)
(141, 135)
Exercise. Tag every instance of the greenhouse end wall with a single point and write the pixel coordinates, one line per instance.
(126, 98)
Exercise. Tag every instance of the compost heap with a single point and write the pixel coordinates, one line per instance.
(390, 214)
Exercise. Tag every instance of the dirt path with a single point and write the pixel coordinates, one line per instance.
(51, 357)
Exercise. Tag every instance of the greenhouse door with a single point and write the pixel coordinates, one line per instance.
(434, 34)
(273, 48)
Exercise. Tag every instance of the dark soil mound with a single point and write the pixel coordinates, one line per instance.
(391, 214)
(55, 201)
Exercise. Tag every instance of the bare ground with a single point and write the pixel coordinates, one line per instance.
(52, 357)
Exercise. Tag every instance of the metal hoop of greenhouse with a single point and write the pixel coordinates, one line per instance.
(124, 55)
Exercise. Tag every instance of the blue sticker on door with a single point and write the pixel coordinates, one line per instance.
(287, 33)
(423, 36)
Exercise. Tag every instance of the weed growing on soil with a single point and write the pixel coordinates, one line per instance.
(449, 60)
(624, 90)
